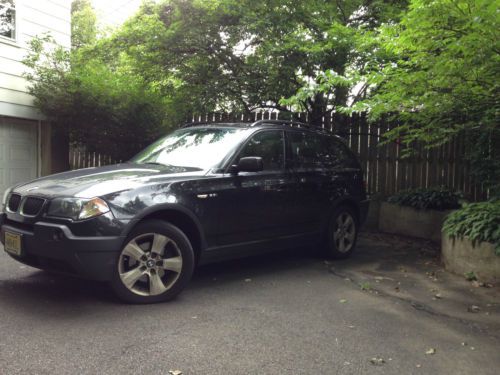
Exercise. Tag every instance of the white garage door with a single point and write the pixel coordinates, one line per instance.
(18, 152)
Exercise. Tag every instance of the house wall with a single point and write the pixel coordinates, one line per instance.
(33, 17)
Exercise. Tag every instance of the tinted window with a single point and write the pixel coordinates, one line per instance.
(269, 146)
(309, 150)
(341, 155)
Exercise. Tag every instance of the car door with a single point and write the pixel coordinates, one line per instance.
(321, 174)
(253, 205)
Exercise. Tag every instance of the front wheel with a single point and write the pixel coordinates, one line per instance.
(342, 233)
(155, 264)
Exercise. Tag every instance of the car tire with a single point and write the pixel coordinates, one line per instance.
(342, 233)
(154, 265)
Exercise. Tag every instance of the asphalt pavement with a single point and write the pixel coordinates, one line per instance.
(391, 309)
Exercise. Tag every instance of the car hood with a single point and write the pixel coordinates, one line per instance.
(95, 182)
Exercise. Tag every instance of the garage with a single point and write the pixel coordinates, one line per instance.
(18, 151)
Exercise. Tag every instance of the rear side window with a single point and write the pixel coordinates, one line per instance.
(307, 150)
(269, 145)
(341, 154)
(312, 151)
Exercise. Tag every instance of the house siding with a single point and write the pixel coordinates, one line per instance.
(28, 146)
(33, 18)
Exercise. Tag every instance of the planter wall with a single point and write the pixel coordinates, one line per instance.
(460, 256)
(409, 221)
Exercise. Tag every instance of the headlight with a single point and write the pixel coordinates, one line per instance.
(4, 199)
(77, 208)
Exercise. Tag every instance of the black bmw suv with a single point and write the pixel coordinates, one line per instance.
(203, 193)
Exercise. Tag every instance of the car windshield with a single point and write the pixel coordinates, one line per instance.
(202, 148)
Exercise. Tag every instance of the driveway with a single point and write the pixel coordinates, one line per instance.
(290, 313)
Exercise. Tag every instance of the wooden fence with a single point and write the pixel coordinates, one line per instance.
(80, 158)
(386, 171)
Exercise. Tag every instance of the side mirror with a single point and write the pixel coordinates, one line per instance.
(248, 164)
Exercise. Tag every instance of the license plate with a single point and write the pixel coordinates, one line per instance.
(13, 243)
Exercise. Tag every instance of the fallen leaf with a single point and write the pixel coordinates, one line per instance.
(430, 351)
(377, 361)
(473, 309)
(475, 284)
(175, 372)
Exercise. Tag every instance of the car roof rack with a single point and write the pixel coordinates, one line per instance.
(257, 123)
(281, 122)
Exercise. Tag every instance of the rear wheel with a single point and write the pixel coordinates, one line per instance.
(155, 264)
(342, 233)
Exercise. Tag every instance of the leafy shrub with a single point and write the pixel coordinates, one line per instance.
(436, 199)
(477, 221)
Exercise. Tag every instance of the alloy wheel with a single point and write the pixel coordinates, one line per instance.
(344, 234)
(150, 264)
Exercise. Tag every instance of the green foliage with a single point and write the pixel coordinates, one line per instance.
(176, 58)
(477, 221)
(365, 286)
(242, 55)
(105, 106)
(442, 71)
(435, 199)
(470, 276)
(83, 23)
(436, 73)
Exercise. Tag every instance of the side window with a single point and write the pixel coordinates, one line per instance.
(312, 151)
(269, 146)
(341, 155)
(308, 150)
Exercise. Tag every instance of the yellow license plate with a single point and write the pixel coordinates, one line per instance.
(13, 243)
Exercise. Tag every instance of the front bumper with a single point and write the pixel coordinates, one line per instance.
(54, 247)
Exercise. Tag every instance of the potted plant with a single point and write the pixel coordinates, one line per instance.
(418, 213)
(471, 240)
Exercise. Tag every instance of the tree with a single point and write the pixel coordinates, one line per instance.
(436, 74)
(105, 107)
(176, 58)
(83, 24)
(243, 55)
(442, 78)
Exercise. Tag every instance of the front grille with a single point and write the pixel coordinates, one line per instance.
(32, 206)
(14, 201)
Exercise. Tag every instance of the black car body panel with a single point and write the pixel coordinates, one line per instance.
(226, 214)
